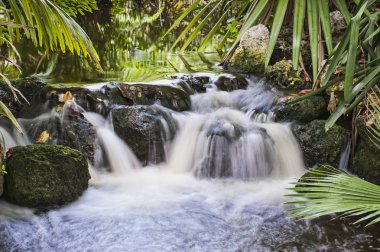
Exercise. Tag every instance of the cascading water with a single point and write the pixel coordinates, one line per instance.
(174, 206)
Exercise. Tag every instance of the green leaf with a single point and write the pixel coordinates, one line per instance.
(333, 191)
(279, 15)
(326, 24)
(4, 110)
(312, 17)
(298, 23)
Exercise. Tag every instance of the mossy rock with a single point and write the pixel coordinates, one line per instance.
(282, 75)
(305, 111)
(317, 145)
(44, 176)
(366, 161)
(250, 55)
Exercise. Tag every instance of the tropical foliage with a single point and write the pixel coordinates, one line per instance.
(237, 16)
(328, 190)
(48, 27)
(358, 56)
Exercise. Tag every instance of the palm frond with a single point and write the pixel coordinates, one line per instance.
(48, 27)
(327, 190)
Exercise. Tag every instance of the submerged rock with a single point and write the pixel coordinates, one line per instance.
(319, 146)
(81, 135)
(366, 161)
(282, 75)
(250, 55)
(304, 111)
(45, 176)
(145, 129)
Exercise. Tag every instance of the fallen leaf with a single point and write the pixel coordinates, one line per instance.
(68, 96)
(332, 103)
(44, 136)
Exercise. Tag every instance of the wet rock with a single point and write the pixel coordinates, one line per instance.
(227, 82)
(319, 146)
(305, 111)
(282, 75)
(75, 132)
(90, 99)
(145, 129)
(250, 55)
(193, 83)
(45, 176)
(366, 161)
(81, 135)
(149, 94)
(32, 90)
(198, 83)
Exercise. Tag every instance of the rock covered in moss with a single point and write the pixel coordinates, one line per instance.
(305, 111)
(45, 176)
(366, 161)
(319, 146)
(250, 55)
(282, 75)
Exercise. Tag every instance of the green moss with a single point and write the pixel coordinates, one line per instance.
(283, 75)
(44, 176)
(246, 60)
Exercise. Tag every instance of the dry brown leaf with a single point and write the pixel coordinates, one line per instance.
(305, 91)
(332, 103)
(68, 96)
(44, 136)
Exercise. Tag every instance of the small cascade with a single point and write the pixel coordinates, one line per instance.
(345, 155)
(119, 155)
(232, 134)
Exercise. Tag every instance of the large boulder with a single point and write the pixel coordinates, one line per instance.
(145, 129)
(250, 55)
(44, 176)
(319, 146)
(305, 111)
(366, 161)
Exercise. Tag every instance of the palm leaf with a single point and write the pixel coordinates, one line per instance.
(49, 27)
(298, 22)
(276, 27)
(328, 190)
(8, 114)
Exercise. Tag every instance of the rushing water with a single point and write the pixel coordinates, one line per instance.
(221, 189)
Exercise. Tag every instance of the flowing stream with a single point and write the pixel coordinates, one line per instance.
(221, 189)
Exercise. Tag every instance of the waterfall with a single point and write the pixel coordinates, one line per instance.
(119, 155)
